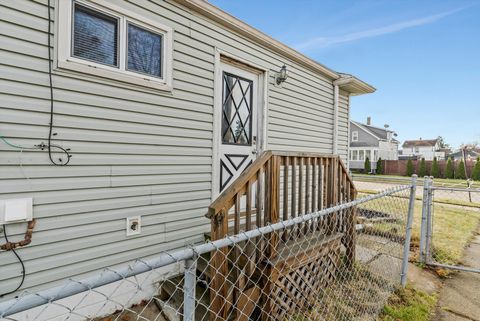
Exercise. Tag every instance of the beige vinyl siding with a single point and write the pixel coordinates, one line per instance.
(136, 151)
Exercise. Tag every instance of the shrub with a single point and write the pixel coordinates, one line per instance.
(435, 172)
(380, 166)
(476, 170)
(410, 169)
(450, 170)
(460, 172)
(423, 168)
(368, 166)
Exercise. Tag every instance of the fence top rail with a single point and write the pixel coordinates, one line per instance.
(406, 180)
(29, 301)
(456, 189)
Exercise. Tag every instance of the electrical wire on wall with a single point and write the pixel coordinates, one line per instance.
(19, 260)
(52, 149)
(50, 146)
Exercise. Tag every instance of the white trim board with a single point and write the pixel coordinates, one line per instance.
(64, 61)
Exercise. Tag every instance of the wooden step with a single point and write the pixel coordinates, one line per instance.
(303, 246)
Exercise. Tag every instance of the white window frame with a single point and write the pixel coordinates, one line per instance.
(361, 155)
(354, 155)
(355, 136)
(368, 153)
(65, 59)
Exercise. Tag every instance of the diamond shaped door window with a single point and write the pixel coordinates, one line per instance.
(237, 100)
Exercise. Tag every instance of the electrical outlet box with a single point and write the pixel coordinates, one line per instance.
(16, 210)
(134, 225)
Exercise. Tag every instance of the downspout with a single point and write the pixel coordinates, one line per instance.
(336, 98)
(348, 138)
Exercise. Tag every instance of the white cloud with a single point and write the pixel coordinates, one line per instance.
(322, 42)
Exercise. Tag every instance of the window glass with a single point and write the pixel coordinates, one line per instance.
(95, 36)
(375, 157)
(144, 51)
(368, 154)
(237, 107)
(355, 155)
(361, 155)
(354, 136)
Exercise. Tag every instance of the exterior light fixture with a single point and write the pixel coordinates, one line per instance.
(282, 75)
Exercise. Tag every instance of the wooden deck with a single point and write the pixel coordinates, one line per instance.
(262, 278)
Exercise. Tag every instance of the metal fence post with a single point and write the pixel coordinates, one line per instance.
(429, 222)
(189, 290)
(408, 234)
(423, 226)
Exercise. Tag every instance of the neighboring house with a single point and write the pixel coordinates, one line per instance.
(470, 155)
(423, 148)
(372, 142)
(155, 136)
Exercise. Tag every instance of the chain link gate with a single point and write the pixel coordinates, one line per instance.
(450, 229)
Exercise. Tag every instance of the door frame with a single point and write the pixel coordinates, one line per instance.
(262, 143)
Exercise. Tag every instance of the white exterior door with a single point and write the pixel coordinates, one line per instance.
(239, 123)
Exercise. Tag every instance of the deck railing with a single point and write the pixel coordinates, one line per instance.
(277, 186)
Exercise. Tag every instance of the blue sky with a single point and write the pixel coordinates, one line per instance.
(422, 56)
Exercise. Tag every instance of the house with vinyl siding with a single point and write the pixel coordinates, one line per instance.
(372, 142)
(157, 106)
(423, 148)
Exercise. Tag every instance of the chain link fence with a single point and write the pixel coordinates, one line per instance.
(451, 227)
(310, 276)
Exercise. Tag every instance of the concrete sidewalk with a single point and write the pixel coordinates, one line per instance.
(460, 296)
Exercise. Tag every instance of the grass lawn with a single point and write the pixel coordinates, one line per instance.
(409, 305)
(394, 180)
(453, 226)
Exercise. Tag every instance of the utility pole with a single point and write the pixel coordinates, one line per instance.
(464, 151)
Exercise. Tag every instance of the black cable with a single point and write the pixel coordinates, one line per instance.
(50, 131)
(19, 260)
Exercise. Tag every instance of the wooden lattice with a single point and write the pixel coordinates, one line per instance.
(297, 280)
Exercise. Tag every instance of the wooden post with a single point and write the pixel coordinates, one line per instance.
(301, 200)
(274, 186)
(294, 192)
(301, 195)
(218, 287)
(308, 191)
(273, 240)
(260, 209)
(250, 249)
(285, 195)
(314, 185)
